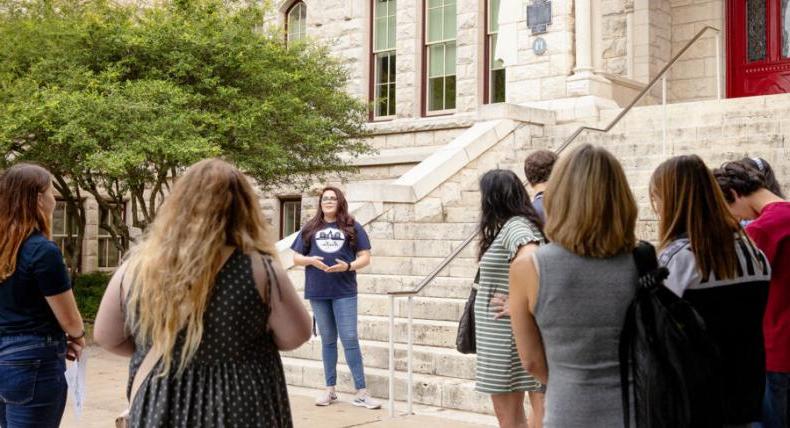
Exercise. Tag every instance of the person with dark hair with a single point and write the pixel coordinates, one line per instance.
(569, 298)
(769, 178)
(715, 267)
(333, 246)
(745, 190)
(40, 324)
(509, 226)
(537, 169)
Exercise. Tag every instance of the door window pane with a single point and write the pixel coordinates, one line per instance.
(785, 24)
(755, 25)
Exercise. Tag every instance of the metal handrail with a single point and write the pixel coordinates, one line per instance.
(443, 264)
(661, 76)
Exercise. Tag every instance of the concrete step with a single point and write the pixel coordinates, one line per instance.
(430, 360)
(342, 414)
(425, 308)
(368, 283)
(429, 390)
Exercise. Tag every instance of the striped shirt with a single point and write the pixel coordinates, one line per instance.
(733, 311)
(498, 365)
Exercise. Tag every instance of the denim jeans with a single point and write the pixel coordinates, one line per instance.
(776, 409)
(32, 381)
(339, 317)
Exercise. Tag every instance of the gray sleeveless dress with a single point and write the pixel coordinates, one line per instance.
(236, 378)
(580, 312)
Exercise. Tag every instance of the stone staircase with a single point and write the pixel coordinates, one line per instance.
(413, 228)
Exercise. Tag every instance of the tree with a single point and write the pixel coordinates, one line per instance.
(117, 100)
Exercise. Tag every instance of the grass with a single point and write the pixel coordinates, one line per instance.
(89, 289)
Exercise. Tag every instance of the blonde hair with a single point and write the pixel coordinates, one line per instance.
(590, 209)
(174, 267)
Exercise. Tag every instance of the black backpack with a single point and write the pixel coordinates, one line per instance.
(674, 364)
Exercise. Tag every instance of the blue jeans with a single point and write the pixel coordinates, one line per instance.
(32, 381)
(776, 408)
(339, 316)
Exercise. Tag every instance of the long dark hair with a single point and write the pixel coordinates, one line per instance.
(502, 197)
(20, 216)
(689, 202)
(345, 221)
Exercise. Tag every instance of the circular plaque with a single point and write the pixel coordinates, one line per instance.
(539, 46)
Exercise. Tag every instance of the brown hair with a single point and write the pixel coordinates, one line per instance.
(174, 268)
(741, 176)
(579, 217)
(689, 202)
(20, 216)
(345, 221)
(538, 166)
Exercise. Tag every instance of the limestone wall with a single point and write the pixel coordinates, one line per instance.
(694, 76)
(542, 77)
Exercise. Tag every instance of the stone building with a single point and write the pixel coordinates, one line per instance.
(458, 87)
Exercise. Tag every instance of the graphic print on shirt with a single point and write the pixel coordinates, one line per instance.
(330, 240)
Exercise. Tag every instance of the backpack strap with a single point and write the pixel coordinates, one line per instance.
(645, 258)
(644, 255)
(624, 351)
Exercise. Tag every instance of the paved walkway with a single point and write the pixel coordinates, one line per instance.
(105, 399)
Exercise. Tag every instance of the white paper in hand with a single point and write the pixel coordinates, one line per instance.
(75, 377)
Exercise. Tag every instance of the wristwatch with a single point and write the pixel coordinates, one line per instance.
(348, 268)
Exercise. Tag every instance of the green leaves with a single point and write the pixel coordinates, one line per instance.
(114, 96)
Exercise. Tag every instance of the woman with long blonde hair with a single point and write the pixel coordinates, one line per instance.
(40, 324)
(205, 291)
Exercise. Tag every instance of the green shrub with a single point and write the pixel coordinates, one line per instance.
(89, 289)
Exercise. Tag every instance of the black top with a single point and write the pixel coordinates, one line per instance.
(733, 313)
(40, 272)
(235, 379)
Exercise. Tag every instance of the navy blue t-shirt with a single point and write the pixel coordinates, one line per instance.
(40, 272)
(331, 243)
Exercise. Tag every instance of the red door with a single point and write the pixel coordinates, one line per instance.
(758, 47)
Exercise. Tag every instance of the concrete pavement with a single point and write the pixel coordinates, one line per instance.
(107, 376)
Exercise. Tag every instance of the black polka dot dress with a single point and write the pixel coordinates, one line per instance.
(236, 378)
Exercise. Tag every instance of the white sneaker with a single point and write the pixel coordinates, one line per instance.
(366, 401)
(326, 398)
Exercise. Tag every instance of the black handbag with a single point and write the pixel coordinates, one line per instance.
(465, 341)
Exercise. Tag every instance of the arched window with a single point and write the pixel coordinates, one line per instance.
(383, 52)
(296, 21)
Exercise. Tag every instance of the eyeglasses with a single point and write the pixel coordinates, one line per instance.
(329, 199)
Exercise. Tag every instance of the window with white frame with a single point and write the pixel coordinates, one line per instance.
(495, 68)
(61, 220)
(296, 22)
(440, 31)
(290, 216)
(109, 254)
(383, 58)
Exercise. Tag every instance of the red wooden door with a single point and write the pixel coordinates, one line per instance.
(758, 47)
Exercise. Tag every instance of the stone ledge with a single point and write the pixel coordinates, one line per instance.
(394, 156)
(411, 124)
